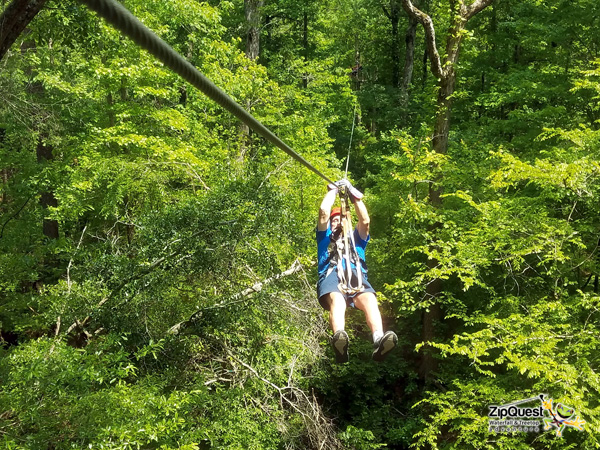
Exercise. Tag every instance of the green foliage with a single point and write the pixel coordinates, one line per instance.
(157, 319)
(514, 244)
(359, 439)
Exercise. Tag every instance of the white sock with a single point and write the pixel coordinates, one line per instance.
(377, 334)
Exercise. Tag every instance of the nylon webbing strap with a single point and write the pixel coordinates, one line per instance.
(115, 14)
(344, 253)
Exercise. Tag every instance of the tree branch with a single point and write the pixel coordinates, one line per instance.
(257, 287)
(319, 429)
(385, 11)
(13, 216)
(476, 7)
(69, 283)
(15, 19)
(143, 272)
(425, 20)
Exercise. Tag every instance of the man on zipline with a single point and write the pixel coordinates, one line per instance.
(335, 291)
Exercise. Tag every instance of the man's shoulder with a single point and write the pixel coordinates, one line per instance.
(322, 234)
(358, 240)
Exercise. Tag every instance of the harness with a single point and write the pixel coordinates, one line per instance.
(343, 248)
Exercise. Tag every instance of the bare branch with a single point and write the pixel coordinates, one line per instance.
(237, 298)
(319, 429)
(476, 7)
(425, 20)
(257, 287)
(69, 283)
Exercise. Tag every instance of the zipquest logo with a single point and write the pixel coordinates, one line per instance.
(513, 418)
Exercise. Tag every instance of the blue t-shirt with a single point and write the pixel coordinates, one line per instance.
(323, 240)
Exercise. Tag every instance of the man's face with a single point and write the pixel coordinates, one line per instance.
(335, 222)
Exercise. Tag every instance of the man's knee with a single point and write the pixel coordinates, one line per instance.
(366, 300)
(335, 300)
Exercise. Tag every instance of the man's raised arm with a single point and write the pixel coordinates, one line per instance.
(363, 218)
(361, 210)
(325, 209)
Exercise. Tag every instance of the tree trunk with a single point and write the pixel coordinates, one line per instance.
(441, 129)
(252, 10)
(430, 318)
(445, 71)
(425, 71)
(3, 197)
(305, 47)
(15, 19)
(43, 152)
(3, 174)
(394, 15)
(356, 74)
(267, 37)
(110, 110)
(409, 58)
(123, 89)
(441, 133)
(47, 199)
(395, 18)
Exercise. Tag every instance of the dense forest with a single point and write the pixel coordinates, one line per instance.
(158, 256)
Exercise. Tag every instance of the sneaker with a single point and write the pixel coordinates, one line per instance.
(339, 342)
(384, 345)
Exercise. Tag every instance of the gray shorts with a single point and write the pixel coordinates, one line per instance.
(329, 283)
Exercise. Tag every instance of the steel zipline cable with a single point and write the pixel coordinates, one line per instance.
(350, 145)
(119, 17)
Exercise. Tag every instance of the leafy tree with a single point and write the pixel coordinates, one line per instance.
(176, 307)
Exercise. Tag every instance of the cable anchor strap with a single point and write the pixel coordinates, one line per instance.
(346, 249)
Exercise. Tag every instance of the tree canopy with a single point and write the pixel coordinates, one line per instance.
(158, 258)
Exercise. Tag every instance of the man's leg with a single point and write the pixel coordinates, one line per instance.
(337, 311)
(383, 343)
(367, 302)
(337, 320)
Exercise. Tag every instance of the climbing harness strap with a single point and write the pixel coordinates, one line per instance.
(345, 251)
